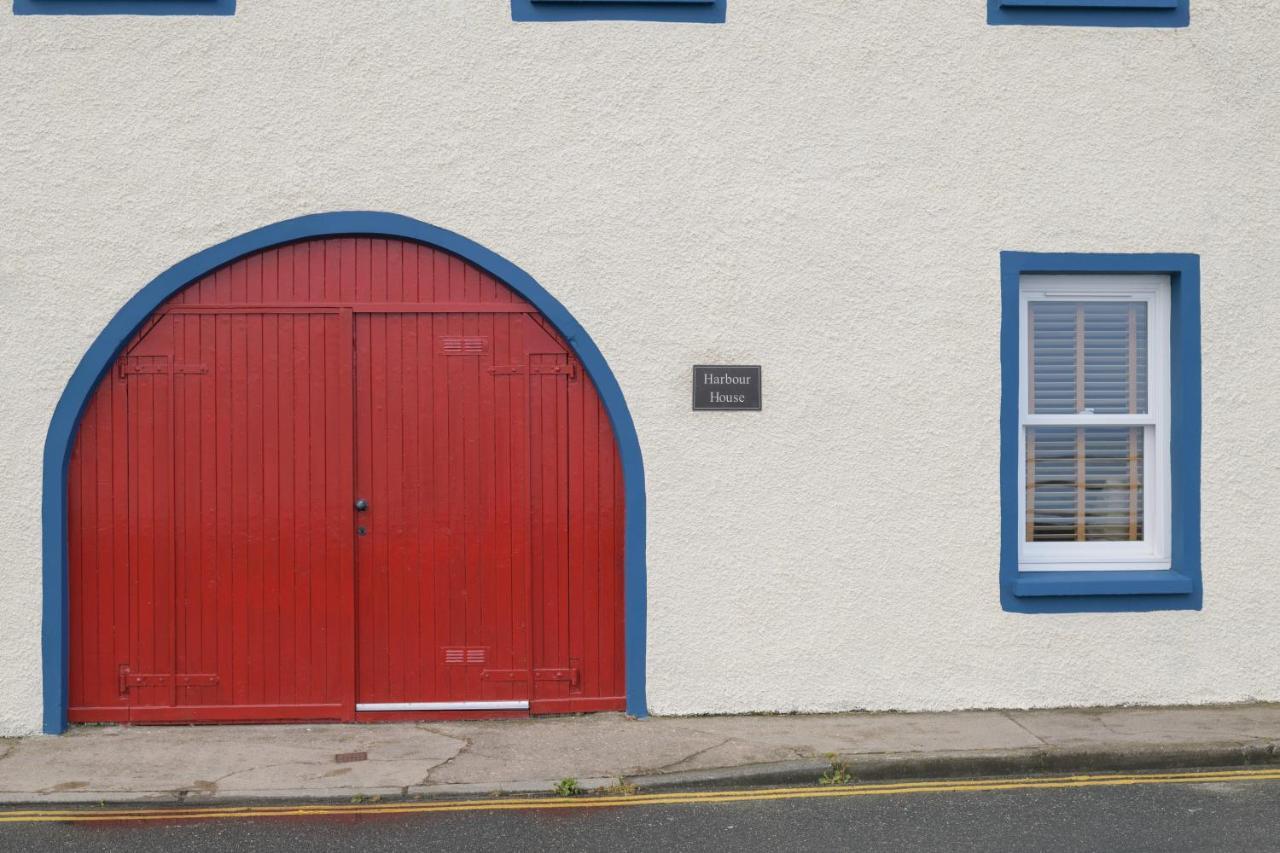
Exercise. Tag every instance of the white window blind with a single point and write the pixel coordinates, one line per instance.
(1089, 356)
(1094, 424)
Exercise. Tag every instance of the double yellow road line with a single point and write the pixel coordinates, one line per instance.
(624, 801)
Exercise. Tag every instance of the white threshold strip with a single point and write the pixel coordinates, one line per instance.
(517, 705)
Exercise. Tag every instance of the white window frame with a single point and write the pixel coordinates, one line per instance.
(1153, 553)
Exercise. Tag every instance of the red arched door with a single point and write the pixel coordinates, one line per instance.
(345, 479)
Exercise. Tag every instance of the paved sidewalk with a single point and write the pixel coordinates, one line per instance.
(221, 763)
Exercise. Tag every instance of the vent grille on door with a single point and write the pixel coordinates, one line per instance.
(465, 655)
(459, 345)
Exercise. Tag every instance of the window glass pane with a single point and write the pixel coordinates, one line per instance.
(1084, 484)
(1088, 356)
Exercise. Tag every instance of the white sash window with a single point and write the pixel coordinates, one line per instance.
(1093, 416)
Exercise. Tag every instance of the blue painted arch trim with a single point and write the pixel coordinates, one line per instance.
(1180, 587)
(102, 353)
(124, 7)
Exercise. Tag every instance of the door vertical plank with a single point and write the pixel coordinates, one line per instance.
(255, 568)
(224, 517)
(412, 492)
(391, 535)
(290, 578)
(342, 568)
(428, 660)
(442, 492)
(271, 522)
(524, 619)
(507, 636)
(366, 626)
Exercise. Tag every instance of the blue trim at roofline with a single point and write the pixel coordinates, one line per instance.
(1091, 13)
(670, 11)
(1102, 591)
(124, 7)
(100, 355)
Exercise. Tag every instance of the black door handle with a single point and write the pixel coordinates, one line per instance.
(361, 505)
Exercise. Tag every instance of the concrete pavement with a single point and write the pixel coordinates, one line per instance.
(222, 763)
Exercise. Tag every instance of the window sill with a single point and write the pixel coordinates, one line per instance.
(1039, 584)
(124, 7)
(669, 11)
(1093, 13)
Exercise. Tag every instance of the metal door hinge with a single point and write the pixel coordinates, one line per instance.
(134, 365)
(130, 679)
(569, 674)
(568, 370)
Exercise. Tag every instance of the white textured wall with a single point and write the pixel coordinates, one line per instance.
(822, 188)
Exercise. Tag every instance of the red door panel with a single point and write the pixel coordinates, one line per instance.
(260, 612)
(239, 566)
(442, 459)
(216, 570)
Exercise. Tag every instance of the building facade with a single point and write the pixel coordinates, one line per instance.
(1006, 268)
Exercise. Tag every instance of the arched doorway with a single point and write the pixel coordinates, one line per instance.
(351, 473)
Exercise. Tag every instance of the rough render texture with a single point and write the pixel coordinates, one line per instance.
(821, 188)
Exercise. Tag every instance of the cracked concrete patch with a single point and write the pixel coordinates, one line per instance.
(382, 773)
(598, 745)
(1015, 721)
(1071, 728)
(466, 748)
(224, 759)
(691, 757)
(730, 752)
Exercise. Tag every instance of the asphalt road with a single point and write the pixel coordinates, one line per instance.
(1236, 815)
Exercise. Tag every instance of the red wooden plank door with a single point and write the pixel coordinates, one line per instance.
(239, 536)
(577, 534)
(219, 567)
(556, 669)
(442, 461)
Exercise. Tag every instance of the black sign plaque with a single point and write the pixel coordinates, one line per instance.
(726, 388)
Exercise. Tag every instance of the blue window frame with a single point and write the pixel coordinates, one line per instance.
(1091, 13)
(686, 11)
(1178, 587)
(124, 7)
